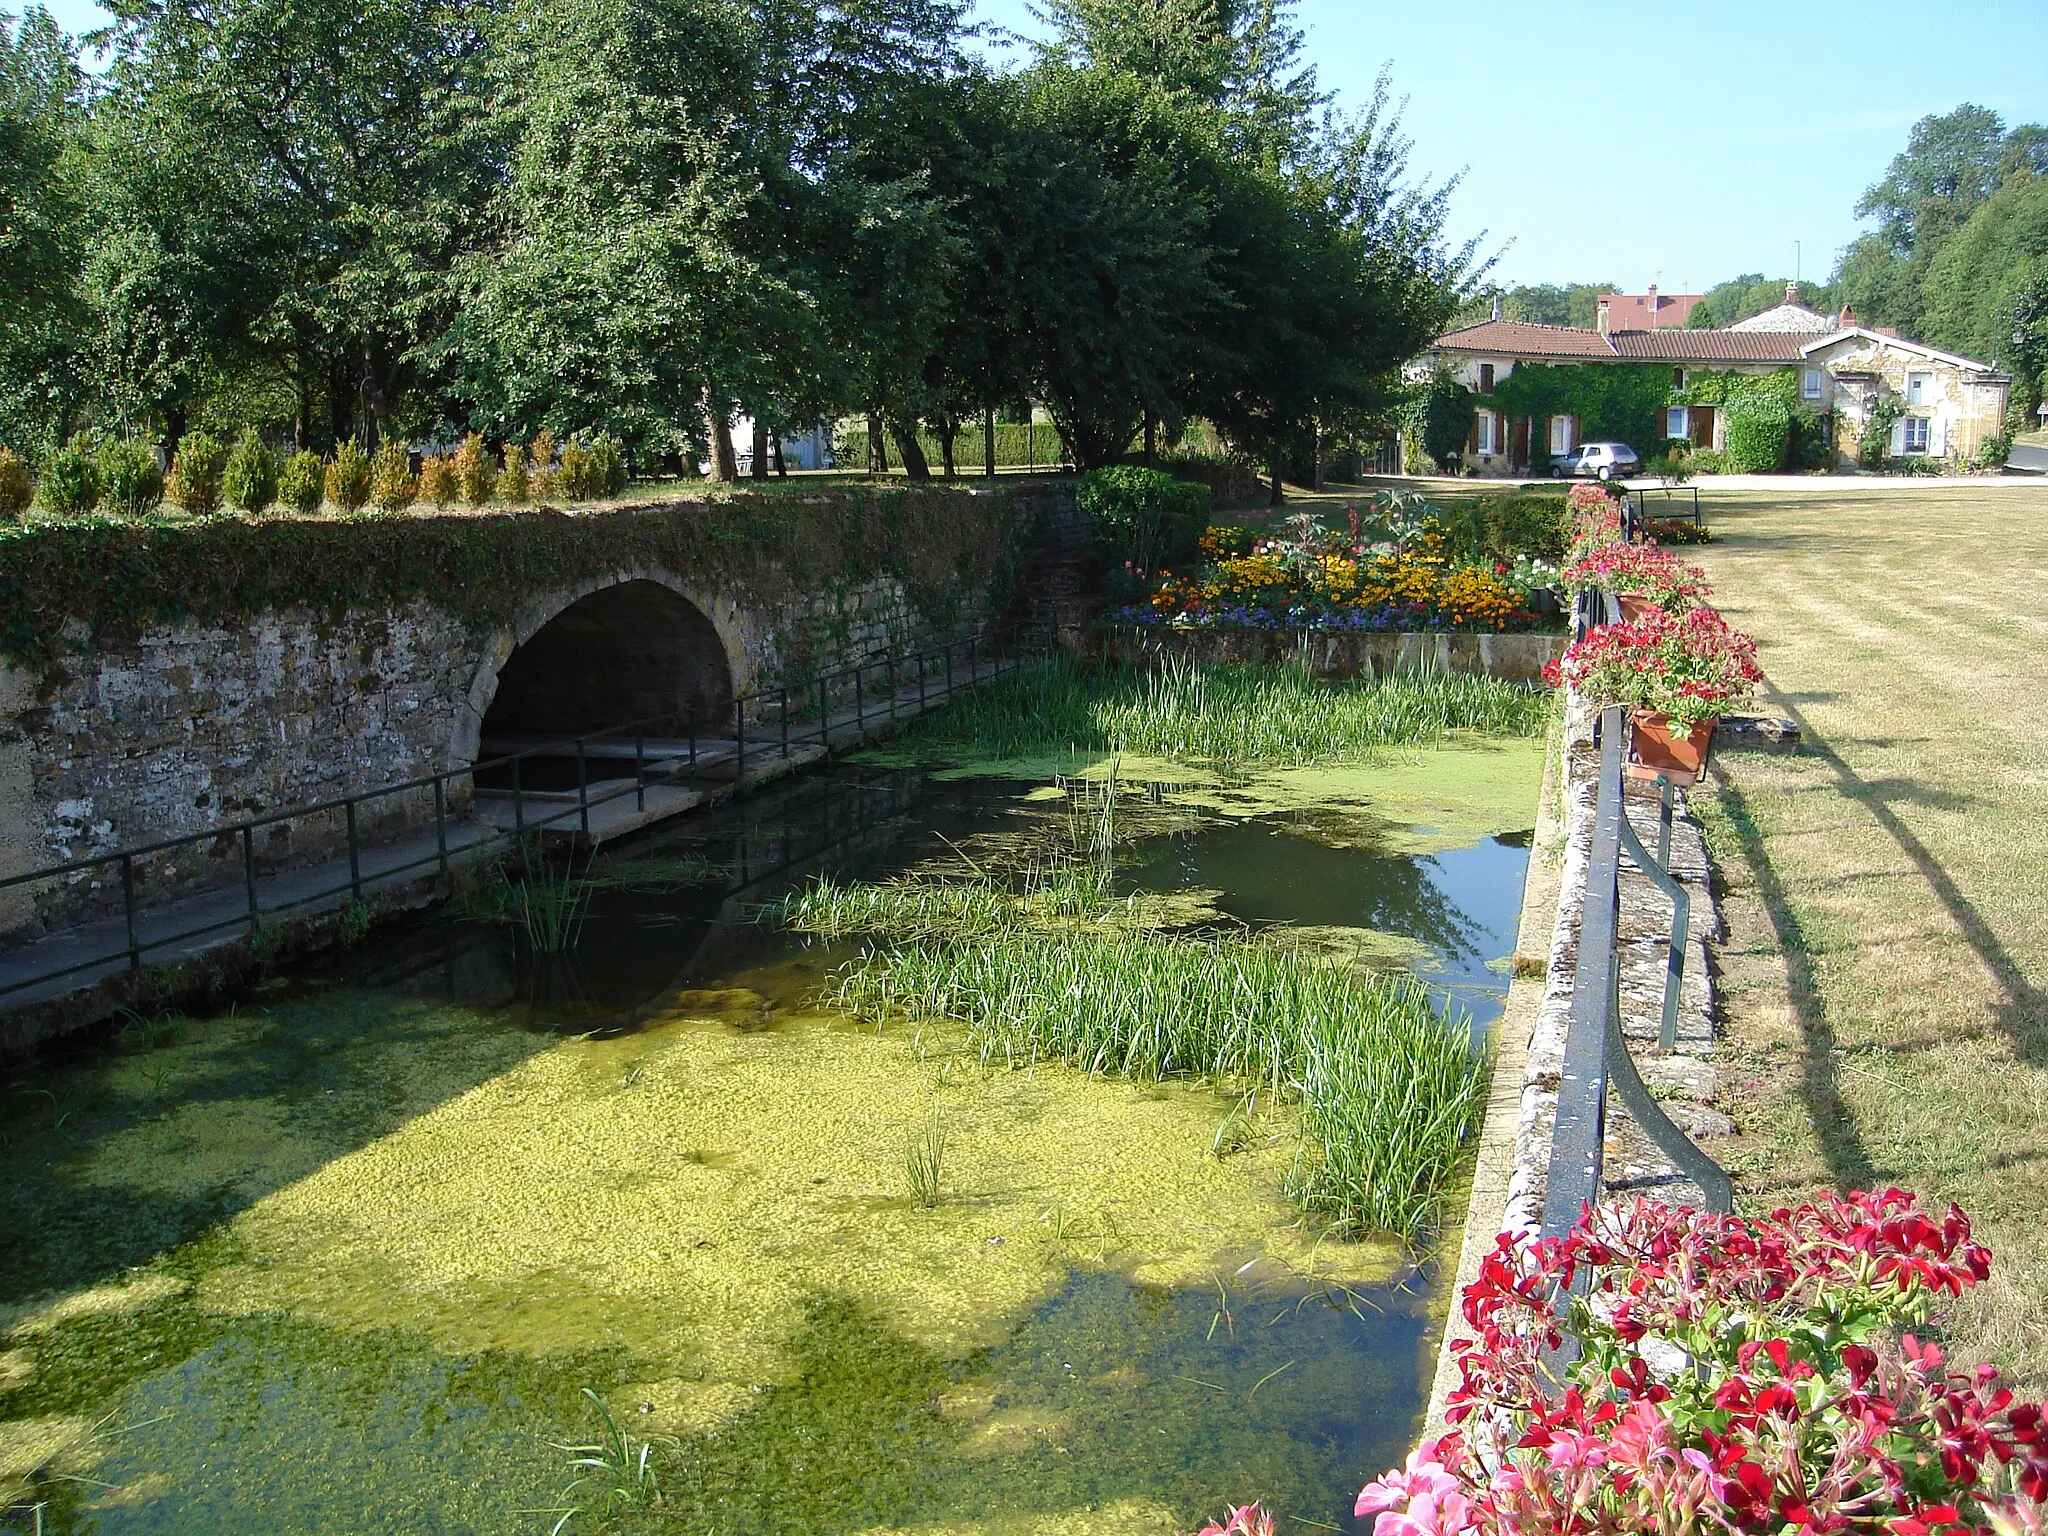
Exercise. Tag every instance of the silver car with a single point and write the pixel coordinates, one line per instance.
(1603, 461)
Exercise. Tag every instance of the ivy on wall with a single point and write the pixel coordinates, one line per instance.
(1712, 387)
(67, 587)
(1619, 402)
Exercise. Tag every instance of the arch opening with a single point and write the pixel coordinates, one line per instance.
(631, 652)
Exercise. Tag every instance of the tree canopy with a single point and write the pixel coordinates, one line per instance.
(352, 219)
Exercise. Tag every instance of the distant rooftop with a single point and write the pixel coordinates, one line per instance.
(1652, 311)
(1790, 316)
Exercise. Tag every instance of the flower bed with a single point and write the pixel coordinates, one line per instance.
(1688, 667)
(1387, 570)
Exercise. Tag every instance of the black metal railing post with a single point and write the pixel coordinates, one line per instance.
(128, 908)
(639, 770)
(785, 722)
(739, 737)
(355, 855)
(249, 874)
(441, 825)
(582, 791)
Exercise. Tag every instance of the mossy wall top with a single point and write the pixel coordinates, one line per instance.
(80, 585)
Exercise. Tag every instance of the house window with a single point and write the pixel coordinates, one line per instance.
(1486, 378)
(1675, 422)
(1809, 385)
(1678, 378)
(1919, 388)
(1916, 434)
(1564, 433)
(1489, 432)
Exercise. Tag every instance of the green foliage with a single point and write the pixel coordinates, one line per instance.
(302, 483)
(437, 479)
(473, 470)
(578, 479)
(1502, 527)
(1615, 402)
(392, 486)
(1759, 433)
(512, 486)
(70, 482)
(1751, 294)
(348, 477)
(106, 574)
(1874, 448)
(1575, 304)
(194, 484)
(610, 464)
(131, 485)
(250, 480)
(16, 489)
(1143, 516)
(1704, 386)
(1444, 415)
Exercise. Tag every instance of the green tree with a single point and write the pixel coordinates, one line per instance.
(1973, 280)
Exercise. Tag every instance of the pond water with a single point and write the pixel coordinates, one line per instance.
(345, 1257)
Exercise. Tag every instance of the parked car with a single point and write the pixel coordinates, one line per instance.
(1603, 461)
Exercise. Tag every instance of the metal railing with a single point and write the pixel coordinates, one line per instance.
(1677, 503)
(666, 749)
(1596, 1052)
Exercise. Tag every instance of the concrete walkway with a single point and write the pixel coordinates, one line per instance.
(100, 956)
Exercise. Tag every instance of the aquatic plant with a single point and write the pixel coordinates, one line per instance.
(546, 902)
(1388, 1090)
(615, 1474)
(924, 1160)
(1221, 713)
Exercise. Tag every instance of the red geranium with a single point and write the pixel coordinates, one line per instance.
(1690, 667)
(1641, 569)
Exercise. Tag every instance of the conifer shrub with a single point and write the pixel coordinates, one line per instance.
(1759, 434)
(473, 470)
(348, 477)
(250, 480)
(16, 489)
(611, 464)
(70, 482)
(577, 477)
(542, 477)
(131, 484)
(513, 486)
(194, 483)
(437, 479)
(302, 483)
(392, 486)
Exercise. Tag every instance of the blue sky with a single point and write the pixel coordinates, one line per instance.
(1655, 143)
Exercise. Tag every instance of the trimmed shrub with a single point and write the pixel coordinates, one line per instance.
(392, 486)
(577, 477)
(1813, 445)
(131, 485)
(250, 480)
(1501, 527)
(1759, 434)
(437, 480)
(513, 487)
(348, 477)
(473, 470)
(194, 481)
(1143, 517)
(70, 482)
(541, 475)
(611, 464)
(302, 483)
(16, 489)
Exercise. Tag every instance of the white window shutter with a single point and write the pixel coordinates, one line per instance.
(1937, 437)
(1898, 438)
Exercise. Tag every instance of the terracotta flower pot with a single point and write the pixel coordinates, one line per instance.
(1659, 746)
(1633, 606)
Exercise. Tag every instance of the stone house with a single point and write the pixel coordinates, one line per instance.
(1947, 406)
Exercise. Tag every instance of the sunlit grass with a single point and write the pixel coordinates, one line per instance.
(1222, 713)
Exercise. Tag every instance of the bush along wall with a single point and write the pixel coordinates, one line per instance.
(1143, 520)
(74, 586)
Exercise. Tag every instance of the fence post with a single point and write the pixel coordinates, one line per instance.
(739, 736)
(441, 823)
(128, 905)
(860, 708)
(355, 857)
(920, 682)
(639, 770)
(824, 729)
(518, 801)
(892, 685)
(785, 722)
(249, 873)
(949, 669)
(582, 791)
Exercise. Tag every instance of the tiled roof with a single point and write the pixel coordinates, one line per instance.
(1711, 346)
(1647, 311)
(1789, 316)
(1520, 338)
(1523, 338)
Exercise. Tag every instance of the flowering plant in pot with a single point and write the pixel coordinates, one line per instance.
(1734, 1375)
(1591, 518)
(1678, 673)
(1642, 576)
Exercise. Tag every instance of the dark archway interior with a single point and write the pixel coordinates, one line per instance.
(630, 652)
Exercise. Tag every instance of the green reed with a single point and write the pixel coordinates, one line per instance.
(546, 902)
(1388, 1090)
(615, 1474)
(924, 1161)
(1223, 713)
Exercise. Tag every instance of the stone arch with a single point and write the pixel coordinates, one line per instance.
(626, 647)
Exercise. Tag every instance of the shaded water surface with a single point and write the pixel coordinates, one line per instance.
(343, 1258)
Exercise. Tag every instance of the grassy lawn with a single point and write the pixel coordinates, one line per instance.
(1885, 967)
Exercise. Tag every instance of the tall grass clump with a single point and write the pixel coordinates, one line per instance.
(924, 1161)
(545, 902)
(1223, 712)
(1388, 1090)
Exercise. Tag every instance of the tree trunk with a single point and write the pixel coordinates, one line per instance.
(948, 430)
(174, 431)
(759, 468)
(988, 441)
(878, 448)
(781, 464)
(725, 465)
(302, 417)
(1279, 495)
(1319, 453)
(910, 450)
(1151, 441)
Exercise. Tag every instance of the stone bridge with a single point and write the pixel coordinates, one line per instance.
(164, 682)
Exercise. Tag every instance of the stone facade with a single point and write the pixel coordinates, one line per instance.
(1962, 403)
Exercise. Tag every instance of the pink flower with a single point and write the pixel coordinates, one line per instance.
(1243, 1520)
(1424, 1477)
(1429, 1515)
